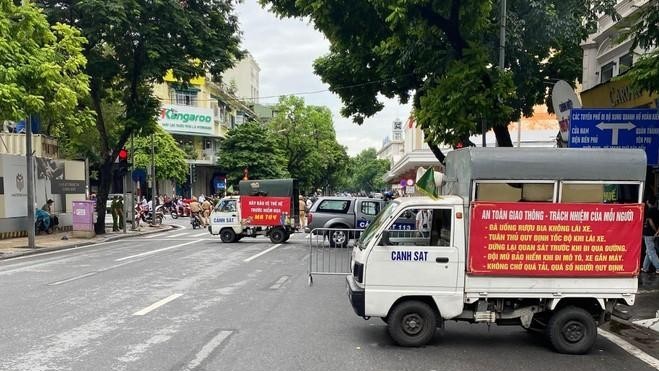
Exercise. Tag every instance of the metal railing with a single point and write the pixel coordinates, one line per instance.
(330, 250)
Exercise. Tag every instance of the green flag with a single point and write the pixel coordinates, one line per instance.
(230, 190)
(426, 184)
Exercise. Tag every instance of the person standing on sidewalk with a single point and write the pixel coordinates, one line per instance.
(302, 212)
(113, 210)
(120, 211)
(650, 231)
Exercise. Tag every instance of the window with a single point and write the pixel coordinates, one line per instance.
(625, 62)
(208, 143)
(432, 228)
(514, 192)
(226, 206)
(606, 73)
(615, 193)
(333, 206)
(370, 208)
(184, 97)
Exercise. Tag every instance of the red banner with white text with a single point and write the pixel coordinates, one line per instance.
(267, 211)
(554, 239)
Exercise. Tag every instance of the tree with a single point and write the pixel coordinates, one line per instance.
(132, 45)
(254, 148)
(643, 28)
(307, 137)
(41, 69)
(169, 157)
(444, 53)
(366, 172)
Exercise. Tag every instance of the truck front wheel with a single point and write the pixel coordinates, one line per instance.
(412, 323)
(572, 330)
(227, 235)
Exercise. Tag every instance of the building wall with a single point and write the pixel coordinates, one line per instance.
(246, 76)
(602, 47)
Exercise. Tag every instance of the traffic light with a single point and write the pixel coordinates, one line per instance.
(122, 157)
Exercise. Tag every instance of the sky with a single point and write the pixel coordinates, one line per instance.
(285, 50)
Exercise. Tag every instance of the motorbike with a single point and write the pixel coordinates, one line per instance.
(195, 220)
(168, 208)
(144, 214)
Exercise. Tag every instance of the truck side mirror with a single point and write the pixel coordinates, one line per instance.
(384, 239)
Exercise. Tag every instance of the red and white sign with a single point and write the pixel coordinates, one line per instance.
(555, 240)
(261, 210)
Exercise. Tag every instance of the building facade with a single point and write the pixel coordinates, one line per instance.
(536, 131)
(198, 116)
(243, 79)
(605, 57)
(392, 146)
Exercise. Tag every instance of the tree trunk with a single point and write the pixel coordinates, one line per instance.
(105, 179)
(437, 152)
(503, 136)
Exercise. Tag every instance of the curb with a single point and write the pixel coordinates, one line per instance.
(40, 250)
(642, 337)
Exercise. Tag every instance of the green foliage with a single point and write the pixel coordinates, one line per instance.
(169, 157)
(643, 27)
(443, 53)
(255, 148)
(131, 45)
(41, 69)
(307, 138)
(366, 171)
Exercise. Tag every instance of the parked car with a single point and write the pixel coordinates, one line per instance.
(342, 213)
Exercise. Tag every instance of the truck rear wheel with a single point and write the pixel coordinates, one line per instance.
(278, 235)
(572, 330)
(227, 235)
(412, 323)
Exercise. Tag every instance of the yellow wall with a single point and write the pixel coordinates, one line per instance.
(616, 94)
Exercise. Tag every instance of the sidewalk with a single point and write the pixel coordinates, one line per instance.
(14, 247)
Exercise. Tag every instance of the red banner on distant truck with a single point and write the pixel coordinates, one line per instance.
(262, 210)
(554, 239)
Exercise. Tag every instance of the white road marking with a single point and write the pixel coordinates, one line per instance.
(90, 273)
(201, 234)
(207, 349)
(155, 251)
(629, 348)
(157, 304)
(72, 279)
(152, 235)
(261, 253)
(279, 283)
(177, 235)
(10, 260)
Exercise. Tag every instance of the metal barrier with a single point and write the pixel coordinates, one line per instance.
(330, 250)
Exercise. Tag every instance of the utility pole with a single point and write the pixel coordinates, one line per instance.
(153, 182)
(30, 182)
(502, 36)
(131, 205)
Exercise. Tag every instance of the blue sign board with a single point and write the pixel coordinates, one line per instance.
(616, 128)
(139, 175)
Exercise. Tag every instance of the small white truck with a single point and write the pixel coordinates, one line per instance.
(548, 239)
(265, 207)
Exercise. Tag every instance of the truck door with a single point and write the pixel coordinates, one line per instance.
(225, 213)
(423, 259)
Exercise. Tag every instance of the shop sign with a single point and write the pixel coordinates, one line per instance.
(616, 128)
(555, 240)
(186, 119)
(63, 186)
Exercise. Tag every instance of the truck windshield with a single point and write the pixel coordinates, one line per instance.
(386, 214)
